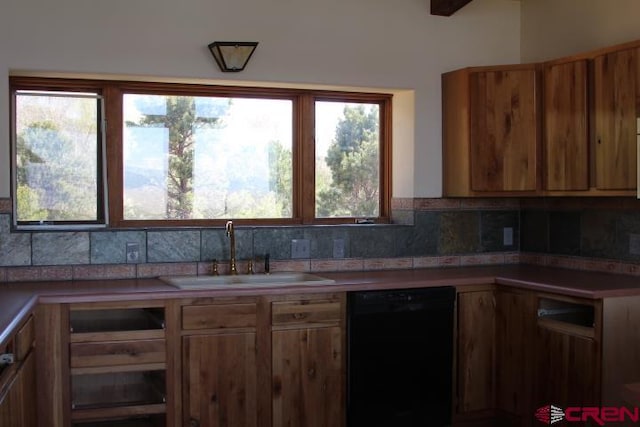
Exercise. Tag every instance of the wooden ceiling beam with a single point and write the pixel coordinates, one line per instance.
(447, 7)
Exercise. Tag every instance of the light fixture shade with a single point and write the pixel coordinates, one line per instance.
(232, 56)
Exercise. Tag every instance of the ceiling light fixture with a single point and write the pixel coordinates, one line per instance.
(232, 56)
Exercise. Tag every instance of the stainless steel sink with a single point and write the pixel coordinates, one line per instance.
(247, 281)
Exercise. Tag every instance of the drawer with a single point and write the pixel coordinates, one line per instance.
(219, 316)
(117, 353)
(25, 339)
(296, 312)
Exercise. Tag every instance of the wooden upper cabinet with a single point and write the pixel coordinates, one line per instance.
(616, 77)
(491, 131)
(566, 136)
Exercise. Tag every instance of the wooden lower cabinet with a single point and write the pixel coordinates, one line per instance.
(568, 368)
(220, 380)
(307, 377)
(18, 393)
(475, 388)
(18, 399)
(515, 328)
(263, 361)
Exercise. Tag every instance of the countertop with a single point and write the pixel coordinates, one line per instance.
(17, 300)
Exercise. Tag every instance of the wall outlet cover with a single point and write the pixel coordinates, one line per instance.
(634, 244)
(507, 236)
(133, 252)
(300, 248)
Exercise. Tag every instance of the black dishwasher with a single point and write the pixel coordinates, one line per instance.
(400, 352)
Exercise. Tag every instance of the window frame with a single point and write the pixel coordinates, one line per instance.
(303, 149)
(102, 190)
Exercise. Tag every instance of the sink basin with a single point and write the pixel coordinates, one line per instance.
(246, 281)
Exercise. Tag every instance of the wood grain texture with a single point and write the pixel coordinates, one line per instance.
(305, 311)
(25, 339)
(115, 353)
(52, 355)
(567, 370)
(455, 134)
(515, 325)
(614, 107)
(504, 130)
(174, 364)
(620, 347)
(566, 138)
(16, 401)
(307, 377)
(219, 316)
(220, 382)
(476, 351)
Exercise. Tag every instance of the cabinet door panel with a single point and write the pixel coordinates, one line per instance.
(567, 370)
(566, 145)
(220, 380)
(503, 130)
(308, 380)
(476, 351)
(17, 404)
(615, 98)
(515, 325)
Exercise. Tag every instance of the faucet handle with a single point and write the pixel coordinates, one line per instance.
(250, 267)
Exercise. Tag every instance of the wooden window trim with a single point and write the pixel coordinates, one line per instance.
(303, 149)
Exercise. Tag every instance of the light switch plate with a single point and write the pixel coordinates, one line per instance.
(133, 252)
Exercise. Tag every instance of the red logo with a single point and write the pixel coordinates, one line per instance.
(551, 414)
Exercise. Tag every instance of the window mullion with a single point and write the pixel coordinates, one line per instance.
(306, 157)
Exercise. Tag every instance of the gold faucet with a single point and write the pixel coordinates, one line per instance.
(232, 247)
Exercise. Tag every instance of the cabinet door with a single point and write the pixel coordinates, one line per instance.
(515, 325)
(219, 379)
(566, 138)
(308, 377)
(567, 370)
(504, 130)
(476, 351)
(616, 93)
(17, 406)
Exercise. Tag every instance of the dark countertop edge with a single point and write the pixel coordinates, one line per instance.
(460, 277)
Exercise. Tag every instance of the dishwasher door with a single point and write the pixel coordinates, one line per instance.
(400, 353)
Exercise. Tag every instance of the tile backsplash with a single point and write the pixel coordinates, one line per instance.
(586, 233)
(425, 232)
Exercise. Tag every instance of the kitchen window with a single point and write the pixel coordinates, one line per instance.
(198, 155)
(57, 162)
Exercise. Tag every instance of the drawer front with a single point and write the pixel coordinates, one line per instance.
(297, 312)
(24, 339)
(117, 353)
(219, 316)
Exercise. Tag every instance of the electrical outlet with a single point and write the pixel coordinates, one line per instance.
(300, 248)
(133, 252)
(338, 248)
(634, 244)
(507, 236)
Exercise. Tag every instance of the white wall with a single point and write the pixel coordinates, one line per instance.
(557, 28)
(392, 44)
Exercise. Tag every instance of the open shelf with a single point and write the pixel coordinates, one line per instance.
(116, 320)
(120, 389)
(567, 317)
